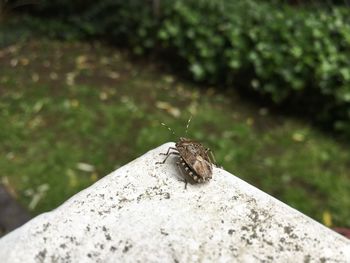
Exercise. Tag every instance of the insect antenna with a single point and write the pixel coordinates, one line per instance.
(188, 124)
(166, 126)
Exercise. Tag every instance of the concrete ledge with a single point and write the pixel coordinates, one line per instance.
(141, 212)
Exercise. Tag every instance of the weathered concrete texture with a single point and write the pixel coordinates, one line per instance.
(142, 213)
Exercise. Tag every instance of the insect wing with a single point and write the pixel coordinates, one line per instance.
(195, 156)
(202, 167)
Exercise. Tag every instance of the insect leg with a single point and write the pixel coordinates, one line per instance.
(176, 153)
(178, 165)
(211, 156)
(170, 148)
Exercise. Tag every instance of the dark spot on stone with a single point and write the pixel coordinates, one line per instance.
(222, 221)
(102, 246)
(230, 231)
(167, 195)
(254, 215)
(67, 258)
(113, 248)
(100, 213)
(54, 258)
(244, 228)
(307, 259)
(123, 200)
(231, 248)
(92, 210)
(281, 248)
(89, 255)
(88, 228)
(254, 235)
(41, 255)
(102, 195)
(268, 242)
(288, 229)
(104, 228)
(282, 239)
(127, 247)
(323, 260)
(46, 226)
(163, 232)
(63, 245)
(248, 242)
(108, 237)
(294, 236)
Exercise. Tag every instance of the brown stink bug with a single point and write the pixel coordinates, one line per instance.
(193, 158)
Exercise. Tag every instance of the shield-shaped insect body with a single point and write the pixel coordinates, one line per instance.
(194, 158)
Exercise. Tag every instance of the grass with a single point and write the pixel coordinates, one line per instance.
(72, 112)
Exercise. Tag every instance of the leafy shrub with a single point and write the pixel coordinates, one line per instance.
(297, 56)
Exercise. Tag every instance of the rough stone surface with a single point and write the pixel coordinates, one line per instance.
(142, 213)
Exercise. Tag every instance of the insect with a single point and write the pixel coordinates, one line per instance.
(193, 158)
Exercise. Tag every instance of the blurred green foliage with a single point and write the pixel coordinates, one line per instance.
(296, 56)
